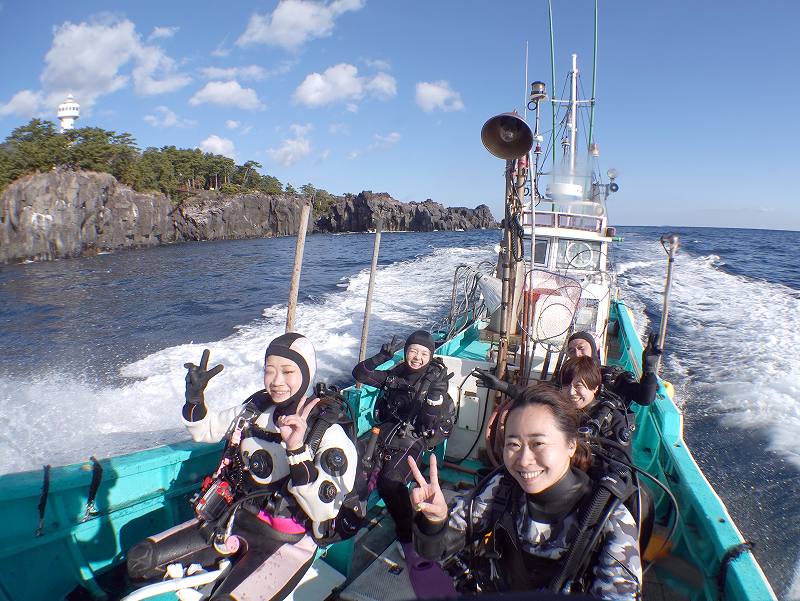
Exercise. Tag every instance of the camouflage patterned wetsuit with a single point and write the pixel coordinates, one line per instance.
(615, 573)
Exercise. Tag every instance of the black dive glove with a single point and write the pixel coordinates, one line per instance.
(394, 345)
(651, 355)
(197, 378)
(492, 381)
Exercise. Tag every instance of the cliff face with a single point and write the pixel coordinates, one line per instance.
(360, 213)
(66, 213)
(215, 216)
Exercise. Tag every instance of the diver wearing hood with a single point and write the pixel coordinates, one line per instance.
(415, 413)
(285, 471)
(617, 380)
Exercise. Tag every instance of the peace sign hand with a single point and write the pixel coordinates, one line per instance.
(293, 427)
(427, 497)
(197, 378)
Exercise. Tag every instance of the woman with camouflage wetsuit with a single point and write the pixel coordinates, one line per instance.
(535, 504)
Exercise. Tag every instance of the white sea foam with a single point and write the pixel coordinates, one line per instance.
(739, 348)
(58, 420)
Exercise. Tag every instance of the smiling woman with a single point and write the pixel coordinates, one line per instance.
(539, 504)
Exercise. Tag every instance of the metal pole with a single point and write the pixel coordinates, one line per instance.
(376, 246)
(573, 116)
(525, 91)
(671, 243)
(553, 78)
(298, 264)
(594, 78)
(502, 355)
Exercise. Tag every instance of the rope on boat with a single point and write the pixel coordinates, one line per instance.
(730, 556)
(43, 499)
(97, 478)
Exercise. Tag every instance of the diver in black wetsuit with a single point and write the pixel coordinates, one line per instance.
(605, 413)
(415, 413)
(525, 519)
(617, 380)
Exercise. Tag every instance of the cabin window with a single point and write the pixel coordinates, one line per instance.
(580, 222)
(586, 317)
(542, 253)
(545, 219)
(578, 254)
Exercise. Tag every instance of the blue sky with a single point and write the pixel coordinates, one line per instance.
(695, 99)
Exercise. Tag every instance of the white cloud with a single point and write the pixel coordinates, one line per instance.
(221, 51)
(155, 73)
(294, 22)
(438, 95)
(293, 149)
(382, 86)
(323, 156)
(162, 33)
(252, 72)
(227, 93)
(216, 145)
(382, 142)
(341, 83)
(166, 118)
(87, 60)
(377, 63)
(24, 103)
(338, 128)
(387, 141)
(231, 124)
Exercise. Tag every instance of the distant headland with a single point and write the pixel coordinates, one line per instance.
(89, 190)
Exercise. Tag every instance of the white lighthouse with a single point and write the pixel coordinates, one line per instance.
(68, 111)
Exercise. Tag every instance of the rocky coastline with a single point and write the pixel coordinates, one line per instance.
(64, 213)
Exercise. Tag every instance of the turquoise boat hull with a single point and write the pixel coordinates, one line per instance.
(147, 492)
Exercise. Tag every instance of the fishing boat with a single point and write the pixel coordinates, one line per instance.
(67, 529)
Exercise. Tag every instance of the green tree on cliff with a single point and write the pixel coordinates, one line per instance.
(38, 146)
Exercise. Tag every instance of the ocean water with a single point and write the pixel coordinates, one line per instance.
(93, 348)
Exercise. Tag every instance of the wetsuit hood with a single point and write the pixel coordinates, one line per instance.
(296, 348)
(588, 338)
(422, 338)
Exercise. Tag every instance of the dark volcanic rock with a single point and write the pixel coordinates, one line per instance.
(360, 213)
(65, 213)
(215, 216)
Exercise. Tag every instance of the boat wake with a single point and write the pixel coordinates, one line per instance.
(731, 343)
(731, 357)
(57, 419)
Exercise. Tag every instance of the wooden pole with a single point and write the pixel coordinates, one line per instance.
(298, 264)
(376, 246)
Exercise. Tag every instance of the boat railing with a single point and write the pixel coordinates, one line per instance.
(566, 220)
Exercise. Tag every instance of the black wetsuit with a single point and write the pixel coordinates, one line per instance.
(531, 535)
(623, 383)
(415, 414)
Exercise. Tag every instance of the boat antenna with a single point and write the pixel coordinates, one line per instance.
(525, 86)
(594, 79)
(553, 77)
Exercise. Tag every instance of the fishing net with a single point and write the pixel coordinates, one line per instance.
(550, 303)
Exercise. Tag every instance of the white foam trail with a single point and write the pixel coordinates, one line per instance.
(740, 353)
(55, 419)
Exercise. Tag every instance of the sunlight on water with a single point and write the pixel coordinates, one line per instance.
(146, 412)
